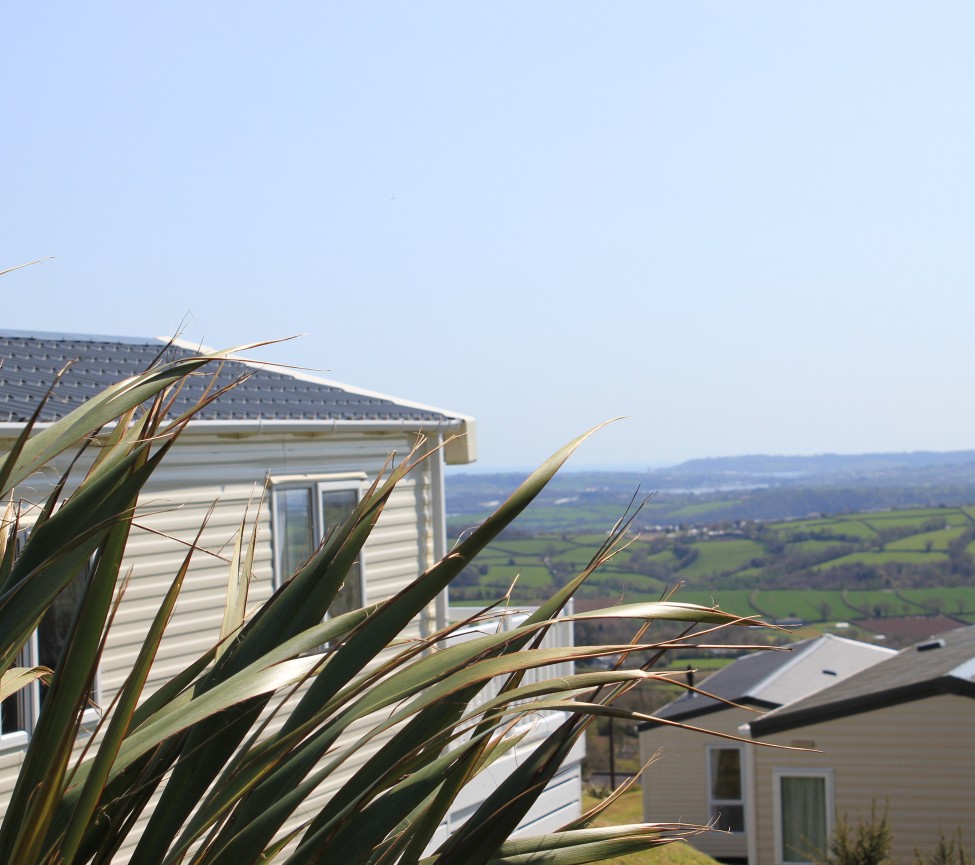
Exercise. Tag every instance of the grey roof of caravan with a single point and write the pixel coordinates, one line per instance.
(29, 363)
(944, 664)
(771, 678)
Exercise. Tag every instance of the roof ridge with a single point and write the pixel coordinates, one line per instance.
(7, 333)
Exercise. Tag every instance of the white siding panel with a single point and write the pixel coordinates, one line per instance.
(230, 471)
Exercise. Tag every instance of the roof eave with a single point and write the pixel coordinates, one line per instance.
(719, 706)
(459, 433)
(790, 720)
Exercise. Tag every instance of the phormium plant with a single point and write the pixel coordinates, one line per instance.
(215, 766)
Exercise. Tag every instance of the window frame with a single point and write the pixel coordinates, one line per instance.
(779, 773)
(318, 485)
(715, 804)
(29, 697)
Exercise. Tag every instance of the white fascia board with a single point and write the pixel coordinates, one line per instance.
(965, 670)
(459, 434)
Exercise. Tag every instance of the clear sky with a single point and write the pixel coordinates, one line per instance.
(746, 226)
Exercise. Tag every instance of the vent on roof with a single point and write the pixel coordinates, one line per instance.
(829, 672)
(931, 644)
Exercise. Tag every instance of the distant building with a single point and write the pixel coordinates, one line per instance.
(701, 779)
(899, 735)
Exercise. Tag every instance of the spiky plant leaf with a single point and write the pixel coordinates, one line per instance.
(222, 760)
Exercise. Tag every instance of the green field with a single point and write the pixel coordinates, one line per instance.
(779, 570)
(731, 601)
(870, 558)
(921, 515)
(885, 523)
(850, 528)
(593, 540)
(813, 547)
(704, 509)
(535, 576)
(633, 587)
(579, 554)
(721, 556)
(808, 605)
(951, 600)
(532, 546)
(854, 528)
(938, 540)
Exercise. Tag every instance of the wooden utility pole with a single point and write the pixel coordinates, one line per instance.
(612, 758)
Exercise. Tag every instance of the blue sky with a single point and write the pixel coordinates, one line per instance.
(746, 226)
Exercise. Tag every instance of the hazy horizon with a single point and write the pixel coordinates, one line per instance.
(572, 466)
(744, 226)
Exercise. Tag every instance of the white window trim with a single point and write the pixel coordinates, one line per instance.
(778, 773)
(30, 695)
(318, 483)
(717, 803)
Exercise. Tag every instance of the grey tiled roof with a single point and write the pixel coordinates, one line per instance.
(768, 679)
(30, 362)
(940, 665)
(733, 682)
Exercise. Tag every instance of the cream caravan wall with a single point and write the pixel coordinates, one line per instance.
(675, 787)
(202, 471)
(227, 473)
(916, 760)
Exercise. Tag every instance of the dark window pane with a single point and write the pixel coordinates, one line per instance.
(52, 637)
(803, 818)
(728, 818)
(52, 634)
(12, 712)
(725, 773)
(337, 506)
(296, 529)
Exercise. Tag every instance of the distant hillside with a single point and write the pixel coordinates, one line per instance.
(722, 489)
(822, 464)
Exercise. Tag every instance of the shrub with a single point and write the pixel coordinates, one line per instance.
(866, 842)
(948, 851)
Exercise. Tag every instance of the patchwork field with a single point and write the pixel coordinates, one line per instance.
(917, 562)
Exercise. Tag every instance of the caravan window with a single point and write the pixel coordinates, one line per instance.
(725, 802)
(19, 712)
(304, 513)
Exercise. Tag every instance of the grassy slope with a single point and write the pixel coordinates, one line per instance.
(629, 809)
